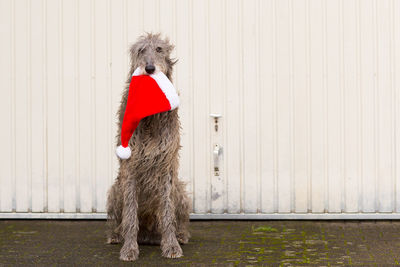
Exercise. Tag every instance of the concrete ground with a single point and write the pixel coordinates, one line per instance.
(225, 243)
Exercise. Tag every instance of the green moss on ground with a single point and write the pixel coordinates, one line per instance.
(232, 243)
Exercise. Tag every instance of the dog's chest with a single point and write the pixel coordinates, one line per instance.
(156, 137)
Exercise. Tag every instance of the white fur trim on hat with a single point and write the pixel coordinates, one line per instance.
(138, 71)
(165, 84)
(167, 87)
(123, 152)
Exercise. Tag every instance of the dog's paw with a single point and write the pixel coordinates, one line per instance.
(114, 240)
(129, 253)
(172, 252)
(183, 237)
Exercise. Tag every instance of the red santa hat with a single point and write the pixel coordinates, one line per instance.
(148, 95)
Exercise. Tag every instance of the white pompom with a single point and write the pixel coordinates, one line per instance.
(123, 152)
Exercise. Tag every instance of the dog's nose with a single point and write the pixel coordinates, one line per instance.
(150, 69)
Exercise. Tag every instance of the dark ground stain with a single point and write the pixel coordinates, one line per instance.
(224, 243)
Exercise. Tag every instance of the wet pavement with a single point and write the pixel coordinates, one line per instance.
(224, 243)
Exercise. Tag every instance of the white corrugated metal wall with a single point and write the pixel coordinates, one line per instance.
(308, 91)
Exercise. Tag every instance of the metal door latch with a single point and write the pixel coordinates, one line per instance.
(216, 116)
(217, 152)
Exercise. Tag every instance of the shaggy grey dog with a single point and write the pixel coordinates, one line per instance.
(148, 203)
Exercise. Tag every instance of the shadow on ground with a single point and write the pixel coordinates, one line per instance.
(228, 243)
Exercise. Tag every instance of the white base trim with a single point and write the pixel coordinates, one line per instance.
(50, 215)
(297, 216)
(211, 216)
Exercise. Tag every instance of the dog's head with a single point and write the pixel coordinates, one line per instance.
(151, 53)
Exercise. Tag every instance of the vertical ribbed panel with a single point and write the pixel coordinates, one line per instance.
(216, 86)
(266, 104)
(233, 66)
(7, 104)
(396, 99)
(201, 91)
(307, 89)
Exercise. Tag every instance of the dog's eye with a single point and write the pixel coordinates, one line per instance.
(159, 49)
(141, 50)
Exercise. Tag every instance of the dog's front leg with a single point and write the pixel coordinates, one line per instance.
(169, 244)
(130, 222)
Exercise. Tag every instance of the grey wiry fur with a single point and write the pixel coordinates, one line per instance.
(148, 203)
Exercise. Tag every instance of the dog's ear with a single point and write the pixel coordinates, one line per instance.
(168, 46)
(136, 47)
(172, 61)
(133, 50)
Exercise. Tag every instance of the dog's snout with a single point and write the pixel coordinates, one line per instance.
(150, 68)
